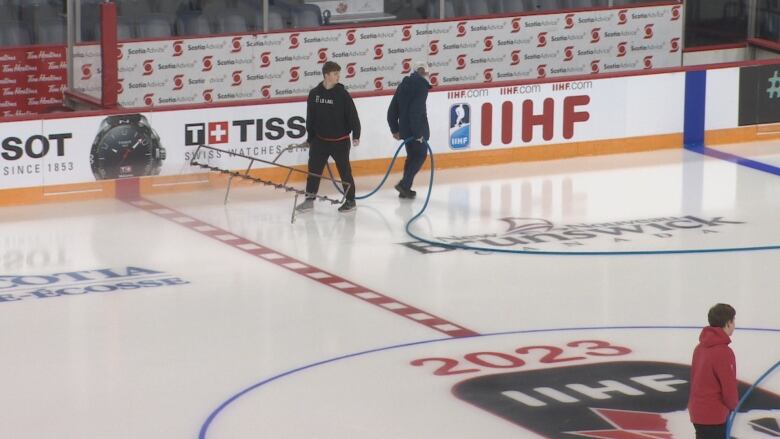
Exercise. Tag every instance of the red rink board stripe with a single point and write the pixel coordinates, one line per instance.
(301, 268)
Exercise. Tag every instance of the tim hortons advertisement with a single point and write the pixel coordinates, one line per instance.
(32, 79)
(87, 149)
(228, 68)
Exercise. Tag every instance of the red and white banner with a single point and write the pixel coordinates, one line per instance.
(278, 65)
(62, 151)
(32, 79)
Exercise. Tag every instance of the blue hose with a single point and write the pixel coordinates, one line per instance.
(387, 174)
(525, 252)
(730, 422)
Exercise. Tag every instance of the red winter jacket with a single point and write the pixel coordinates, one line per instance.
(713, 379)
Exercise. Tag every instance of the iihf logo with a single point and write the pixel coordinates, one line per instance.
(595, 35)
(433, 47)
(351, 39)
(460, 126)
(351, 70)
(235, 45)
(178, 82)
(208, 64)
(569, 21)
(651, 401)
(379, 51)
(322, 56)
(542, 39)
(178, 48)
(488, 44)
(568, 53)
(295, 41)
(515, 57)
(462, 29)
(461, 62)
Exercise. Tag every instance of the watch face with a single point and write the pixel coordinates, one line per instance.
(124, 151)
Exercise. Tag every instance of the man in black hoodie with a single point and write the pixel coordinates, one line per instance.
(330, 118)
(408, 118)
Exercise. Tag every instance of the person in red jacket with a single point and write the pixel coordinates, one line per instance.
(713, 392)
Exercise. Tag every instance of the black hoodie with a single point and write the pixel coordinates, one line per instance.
(331, 114)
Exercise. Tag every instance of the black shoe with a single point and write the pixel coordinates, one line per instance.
(403, 192)
(306, 206)
(348, 206)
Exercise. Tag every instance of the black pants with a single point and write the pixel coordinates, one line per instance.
(319, 152)
(710, 431)
(416, 153)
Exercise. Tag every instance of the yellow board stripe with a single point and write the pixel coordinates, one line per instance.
(474, 157)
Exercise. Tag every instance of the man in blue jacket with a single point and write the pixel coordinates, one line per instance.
(408, 118)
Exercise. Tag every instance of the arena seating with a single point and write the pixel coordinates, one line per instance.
(769, 20)
(14, 33)
(43, 21)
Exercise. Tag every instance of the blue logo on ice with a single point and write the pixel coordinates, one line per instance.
(460, 126)
(15, 288)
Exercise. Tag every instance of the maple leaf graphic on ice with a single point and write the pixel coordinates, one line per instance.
(629, 425)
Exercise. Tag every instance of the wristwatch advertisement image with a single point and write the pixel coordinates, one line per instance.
(126, 146)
